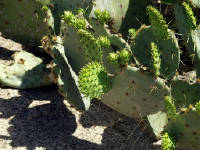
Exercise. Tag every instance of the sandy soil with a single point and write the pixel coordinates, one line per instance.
(39, 119)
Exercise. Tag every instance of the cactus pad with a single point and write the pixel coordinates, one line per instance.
(138, 95)
(168, 49)
(28, 71)
(67, 79)
(25, 21)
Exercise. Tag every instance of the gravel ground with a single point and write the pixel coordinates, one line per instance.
(39, 119)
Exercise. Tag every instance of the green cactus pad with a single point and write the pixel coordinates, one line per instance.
(169, 51)
(135, 93)
(93, 80)
(186, 130)
(124, 14)
(157, 122)
(25, 21)
(195, 55)
(184, 93)
(186, 23)
(28, 71)
(70, 5)
(67, 79)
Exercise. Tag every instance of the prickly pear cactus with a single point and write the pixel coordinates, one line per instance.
(68, 5)
(184, 93)
(28, 71)
(185, 129)
(124, 13)
(80, 44)
(138, 95)
(100, 25)
(187, 26)
(168, 142)
(165, 41)
(26, 21)
(93, 80)
(168, 49)
(66, 78)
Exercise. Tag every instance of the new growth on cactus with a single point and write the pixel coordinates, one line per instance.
(158, 23)
(93, 80)
(102, 16)
(190, 19)
(167, 142)
(120, 58)
(155, 59)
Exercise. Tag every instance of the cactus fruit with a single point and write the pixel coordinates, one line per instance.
(28, 71)
(93, 80)
(26, 21)
(66, 78)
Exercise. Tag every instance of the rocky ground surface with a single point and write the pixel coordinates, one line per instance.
(39, 119)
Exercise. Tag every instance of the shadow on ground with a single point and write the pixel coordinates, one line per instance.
(49, 125)
(122, 133)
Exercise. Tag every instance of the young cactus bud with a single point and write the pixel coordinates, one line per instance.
(197, 107)
(93, 80)
(132, 33)
(102, 16)
(45, 8)
(167, 142)
(120, 58)
(170, 107)
(124, 56)
(158, 23)
(80, 11)
(155, 59)
(190, 19)
(75, 22)
(104, 41)
(113, 58)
